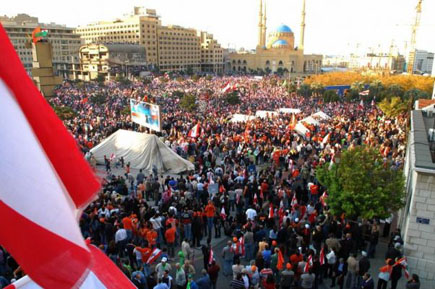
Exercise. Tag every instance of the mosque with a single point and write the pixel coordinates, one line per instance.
(277, 53)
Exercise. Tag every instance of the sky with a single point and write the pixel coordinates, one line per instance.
(333, 27)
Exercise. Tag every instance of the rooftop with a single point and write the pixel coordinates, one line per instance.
(422, 149)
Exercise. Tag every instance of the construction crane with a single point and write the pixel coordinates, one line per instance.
(411, 58)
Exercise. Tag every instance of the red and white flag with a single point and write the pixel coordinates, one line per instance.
(154, 255)
(322, 256)
(323, 198)
(309, 263)
(326, 139)
(223, 214)
(195, 131)
(242, 245)
(270, 211)
(211, 256)
(255, 201)
(365, 92)
(43, 189)
(403, 262)
(361, 104)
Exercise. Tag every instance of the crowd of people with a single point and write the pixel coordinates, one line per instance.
(254, 186)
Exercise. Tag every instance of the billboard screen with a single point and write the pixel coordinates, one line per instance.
(145, 114)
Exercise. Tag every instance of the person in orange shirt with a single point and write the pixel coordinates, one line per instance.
(151, 236)
(128, 226)
(170, 239)
(210, 210)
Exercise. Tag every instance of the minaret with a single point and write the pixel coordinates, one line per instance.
(263, 44)
(301, 40)
(260, 25)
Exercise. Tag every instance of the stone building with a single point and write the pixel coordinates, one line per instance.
(169, 48)
(65, 43)
(277, 52)
(109, 60)
(417, 219)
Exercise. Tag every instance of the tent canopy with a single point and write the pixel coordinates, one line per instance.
(310, 120)
(237, 117)
(321, 115)
(143, 151)
(265, 113)
(301, 129)
(289, 110)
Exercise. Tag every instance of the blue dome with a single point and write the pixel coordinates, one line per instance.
(283, 29)
(280, 42)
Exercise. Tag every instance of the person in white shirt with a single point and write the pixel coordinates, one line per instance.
(251, 214)
(121, 240)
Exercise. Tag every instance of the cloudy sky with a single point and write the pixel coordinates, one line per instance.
(332, 26)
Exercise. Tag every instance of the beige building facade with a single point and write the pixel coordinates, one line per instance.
(110, 60)
(65, 43)
(169, 48)
(276, 52)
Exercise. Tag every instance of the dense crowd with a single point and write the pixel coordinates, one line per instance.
(254, 186)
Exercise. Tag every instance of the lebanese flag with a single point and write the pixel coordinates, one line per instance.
(323, 199)
(211, 256)
(223, 214)
(326, 139)
(270, 211)
(255, 201)
(195, 131)
(309, 263)
(154, 255)
(322, 256)
(404, 263)
(373, 102)
(43, 189)
(365, 92)
(361, 104)
(242, 246)
(228, 87)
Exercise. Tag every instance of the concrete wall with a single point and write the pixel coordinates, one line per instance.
(420, 238)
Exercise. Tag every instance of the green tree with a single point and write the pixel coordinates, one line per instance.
(189, 70)
(188, 102)
(395, 90)
(305, 90)
(233, 98)
(415, 94)
(100, 79)
(361, 186)
(122, 80)
(64, 112)
(394, 106)
(317, 88)
(330, 96)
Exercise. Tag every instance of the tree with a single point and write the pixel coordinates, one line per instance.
(330, 96)
(122, 80)
(415, 94)
(100, 79)
(395, 90)
(233, 98)
(304, 90)
(361, 186)
(188, 102)
(394, 106)
(357, 86)
(64, 112)
(317, 88)
(189, 70)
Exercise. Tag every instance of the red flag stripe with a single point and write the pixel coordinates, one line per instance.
(75, 173)
(54, 273)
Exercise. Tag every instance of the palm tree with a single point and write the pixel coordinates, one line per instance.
(317, 88)
(357, 86)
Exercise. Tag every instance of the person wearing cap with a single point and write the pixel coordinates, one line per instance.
(228, 256)
(363, 267)
(162, 266)
(204, 282)
(287, 277)
(180, 277)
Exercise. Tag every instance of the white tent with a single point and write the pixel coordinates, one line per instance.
(143, 151)
(310, 120)
(321, 114)
(301, 129)
(237, 117)
(265, 113)
(289, 110)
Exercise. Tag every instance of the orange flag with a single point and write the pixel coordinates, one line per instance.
(280, 264)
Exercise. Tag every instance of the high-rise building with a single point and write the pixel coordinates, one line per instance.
(139, 27)
(170, 48)
(211, 54)
(64, 41)
(423, 61)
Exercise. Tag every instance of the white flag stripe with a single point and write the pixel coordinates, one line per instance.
(25, 164)
(91, 282)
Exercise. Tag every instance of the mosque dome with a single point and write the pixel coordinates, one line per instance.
(280, 43)
(283, 29)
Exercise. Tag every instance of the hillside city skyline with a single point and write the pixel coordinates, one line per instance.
(393, 27)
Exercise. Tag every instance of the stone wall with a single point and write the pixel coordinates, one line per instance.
(420, 238)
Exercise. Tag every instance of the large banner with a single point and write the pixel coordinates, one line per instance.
(145, 114)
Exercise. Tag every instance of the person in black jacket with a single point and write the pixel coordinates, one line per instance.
(339, 273)
(363, 267)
